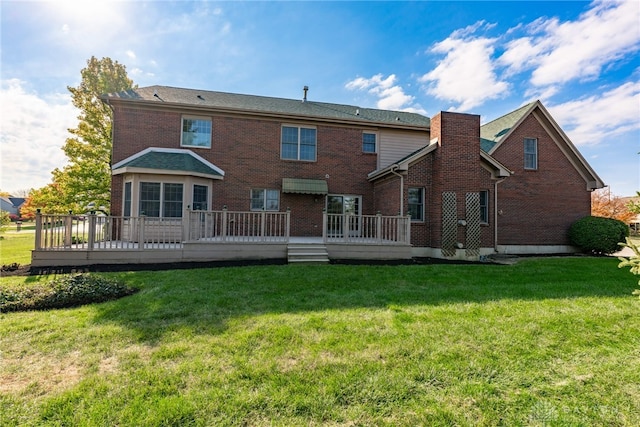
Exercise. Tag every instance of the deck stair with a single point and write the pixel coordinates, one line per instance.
(307, 253)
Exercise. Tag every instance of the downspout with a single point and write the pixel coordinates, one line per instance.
(393, 171)
(495, 214)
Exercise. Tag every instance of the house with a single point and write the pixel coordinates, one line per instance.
(634, 222)
(513, 185)
(12, 205)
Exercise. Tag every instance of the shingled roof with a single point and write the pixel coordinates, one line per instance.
(493, 132)
(168, 160)
(264, 105)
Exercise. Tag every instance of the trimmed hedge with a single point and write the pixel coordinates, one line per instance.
(62, 292)
(598, 235)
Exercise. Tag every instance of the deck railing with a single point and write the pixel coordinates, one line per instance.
(376, 229)
(99, 232)
(230, 226)
(96, 232)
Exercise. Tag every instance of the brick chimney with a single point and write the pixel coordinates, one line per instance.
(456, 166)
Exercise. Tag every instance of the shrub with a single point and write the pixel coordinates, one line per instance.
(65, 291)
(598, 235)
(10, 267)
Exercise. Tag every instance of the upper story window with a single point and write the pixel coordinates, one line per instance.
(196, 132)
(484, 206)
(369, 142)
(530, 153)
(265, 199)
(298, 143)
(416, 203)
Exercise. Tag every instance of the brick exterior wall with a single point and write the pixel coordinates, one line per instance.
(457, 168)
(248, 151)
(537, 207)
(419, 176)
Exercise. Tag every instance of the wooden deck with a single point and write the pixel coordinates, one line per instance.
(64, 240)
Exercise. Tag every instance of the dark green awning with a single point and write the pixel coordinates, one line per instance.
(304, 186)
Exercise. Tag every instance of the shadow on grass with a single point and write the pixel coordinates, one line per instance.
(204, 300)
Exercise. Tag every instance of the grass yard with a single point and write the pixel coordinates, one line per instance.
(544, 342)
(16, 246)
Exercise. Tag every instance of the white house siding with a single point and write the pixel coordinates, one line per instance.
(395, 145)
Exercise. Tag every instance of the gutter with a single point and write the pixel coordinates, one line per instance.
(198, 109)
(495, 213)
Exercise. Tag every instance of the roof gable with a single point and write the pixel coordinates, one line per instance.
(264, 105)
(495, 133)
(168, 161)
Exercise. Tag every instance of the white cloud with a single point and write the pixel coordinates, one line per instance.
(390, 95)
(466, 75)
(562, 51)
(131, 54)
(34, 129)
(599, 118)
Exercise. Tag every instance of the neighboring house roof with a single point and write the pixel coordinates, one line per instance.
(170, 161)
(494, 133)
(11, 204)
(263, 105)
(17, 201)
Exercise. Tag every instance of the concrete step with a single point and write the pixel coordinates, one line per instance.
(307, 253)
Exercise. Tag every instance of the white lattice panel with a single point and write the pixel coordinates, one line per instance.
(472, 206)
(449, 224)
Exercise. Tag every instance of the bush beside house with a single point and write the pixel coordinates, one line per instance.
(598, 235)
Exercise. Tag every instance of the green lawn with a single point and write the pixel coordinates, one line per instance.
(16, 246)
(545, 342)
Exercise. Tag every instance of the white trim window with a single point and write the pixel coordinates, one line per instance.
(200, 197)
(531, 153)
(369, 142)
(298, 143)
(196, 132)
(161, 200)
(265, 199)
(416, 203)
(126, 199)
(484, 207)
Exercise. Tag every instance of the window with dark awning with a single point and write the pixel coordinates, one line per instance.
(304, 186)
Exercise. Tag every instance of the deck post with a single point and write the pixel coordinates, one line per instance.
(325, 220)
(38, 243)
(287, 231)
(141, 237)
(262, 225)
(186, 226)
(379, 226)
(224, 223)
(345, 227)
(68, 230)
(92, 230)
(407, 236)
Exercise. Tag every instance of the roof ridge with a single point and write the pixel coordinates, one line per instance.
(517, 110)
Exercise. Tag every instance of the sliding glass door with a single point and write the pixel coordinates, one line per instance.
(339, 206)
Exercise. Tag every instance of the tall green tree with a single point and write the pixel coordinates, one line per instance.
(87, 178)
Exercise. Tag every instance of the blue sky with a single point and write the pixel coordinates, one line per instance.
(581, 59)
